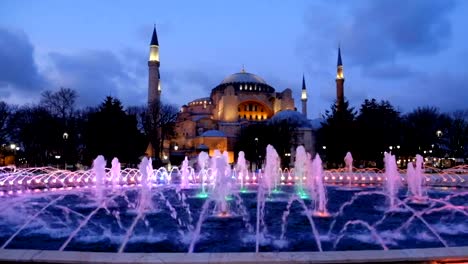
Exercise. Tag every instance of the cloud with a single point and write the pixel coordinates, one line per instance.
(391, 72)
(442, 89)
(18, 70)
(378, 31)
(385, 29)
(96, 74)
(181, 86)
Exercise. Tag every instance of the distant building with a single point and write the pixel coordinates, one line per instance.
(240, 99)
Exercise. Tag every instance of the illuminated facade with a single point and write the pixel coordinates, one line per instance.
(214, 122)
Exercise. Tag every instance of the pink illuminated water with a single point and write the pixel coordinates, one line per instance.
(393, 179)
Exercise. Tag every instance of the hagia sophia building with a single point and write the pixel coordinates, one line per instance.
(243, 98)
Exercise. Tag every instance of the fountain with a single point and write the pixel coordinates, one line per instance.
(241, 169)
(222, 187)
(146, 210)
(203, 159)
(185, 173)
(115, 173)
(99, 166)
(393, 178)
(415, 179)
(272, 167)
(300, 169)
(317, 187)
(348, 159)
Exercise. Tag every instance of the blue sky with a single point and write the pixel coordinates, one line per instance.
(409, 52)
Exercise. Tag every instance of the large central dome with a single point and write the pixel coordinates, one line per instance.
(243, 77)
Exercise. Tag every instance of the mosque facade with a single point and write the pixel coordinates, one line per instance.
(240, 99)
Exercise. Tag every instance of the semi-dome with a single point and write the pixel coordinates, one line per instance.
(291, 117)
(213, 133)
(243, 77)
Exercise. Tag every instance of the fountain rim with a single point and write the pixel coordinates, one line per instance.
(355, 256)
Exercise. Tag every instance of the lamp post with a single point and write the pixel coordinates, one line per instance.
(64, 152)
(256, 153)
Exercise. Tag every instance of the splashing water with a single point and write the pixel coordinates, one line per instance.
(222, 188)
(300, 170)
(319, 192)
(115, 173)
(184, 178)
(393, 179)
(348, 159)
(203, 159)
(99, 168)
(146, 170)
(415, 179)
(272, 168)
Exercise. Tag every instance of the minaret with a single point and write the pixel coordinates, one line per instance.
(339, 82)
(304, 97)
(154, 83)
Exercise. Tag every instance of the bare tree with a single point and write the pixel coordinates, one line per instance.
(159, 124)
(60, 103)
(5, 112)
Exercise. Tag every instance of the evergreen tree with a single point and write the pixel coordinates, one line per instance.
(378, 129)
(113, 133)
(337, 134)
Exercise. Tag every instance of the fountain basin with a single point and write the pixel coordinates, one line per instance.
(358, 221)
(444, 255)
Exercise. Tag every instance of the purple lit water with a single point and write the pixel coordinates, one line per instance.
(148, 211)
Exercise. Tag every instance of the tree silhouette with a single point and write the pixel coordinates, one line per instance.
(420, 131)
(113, 133)
(337, 133)
(378, 129)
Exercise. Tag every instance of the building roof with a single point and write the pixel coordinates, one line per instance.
(213, 133)
(243, 77)
(203, 100)
(340, 62)
(291, 117)
(202, 147)
(154, 38)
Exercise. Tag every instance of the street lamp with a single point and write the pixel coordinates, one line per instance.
(324, 147)
(13, 146)
(176, 147)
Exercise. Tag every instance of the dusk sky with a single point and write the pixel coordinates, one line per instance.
(410, 52)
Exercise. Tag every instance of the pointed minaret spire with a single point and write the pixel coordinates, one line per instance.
(303, 83)
(340, 63)
(304, 97)
(154, 38)
(339, 81)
